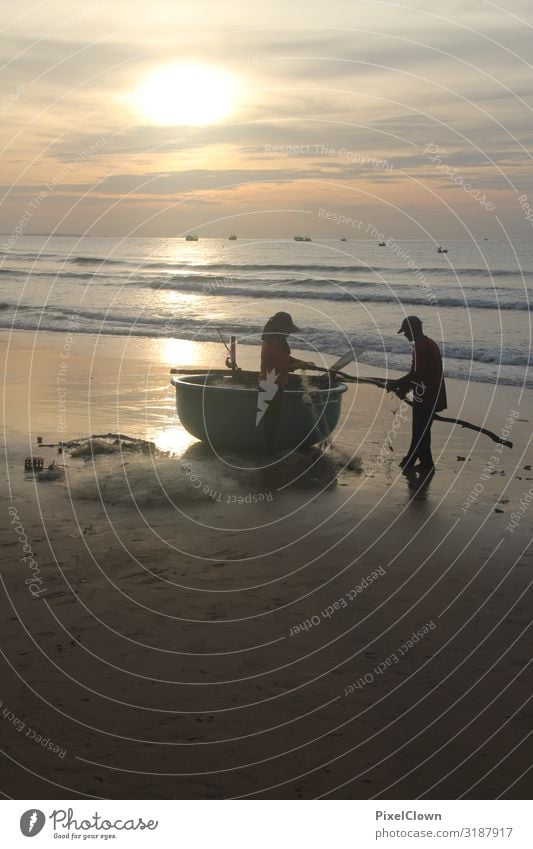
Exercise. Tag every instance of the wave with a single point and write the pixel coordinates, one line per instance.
(310, 268)
(343, 269)
(283, 266)
(323, 340)
(447, 271)
(450, 271)
(31, 255)
(312, 274)
(329, 270)
(210, 286)
(220, 266)
(78, 260)
(6, 305)
(96, 260)
(55, 275)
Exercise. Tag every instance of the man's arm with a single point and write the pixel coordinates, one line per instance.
(283, 362)
(295, 364)
(419, 375)
(401, 385)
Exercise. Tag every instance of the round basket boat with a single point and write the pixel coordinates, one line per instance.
(227, 411)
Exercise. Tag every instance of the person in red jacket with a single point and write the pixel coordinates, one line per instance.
(426, 379)
(276, 364)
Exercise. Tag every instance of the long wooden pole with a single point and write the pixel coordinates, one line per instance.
(381, 383)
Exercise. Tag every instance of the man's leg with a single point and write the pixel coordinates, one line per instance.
(272, 416)
(410, 458)
(424, 449)
(420, 447)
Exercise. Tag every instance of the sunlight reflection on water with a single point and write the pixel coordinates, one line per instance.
(174, 439)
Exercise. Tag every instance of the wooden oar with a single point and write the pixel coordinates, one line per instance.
(201, 370)
(381, 383)
(343, 361)
(469, 426)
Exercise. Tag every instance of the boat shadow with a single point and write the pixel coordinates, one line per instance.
(307, 469)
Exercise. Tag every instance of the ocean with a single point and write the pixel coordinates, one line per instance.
(474, 300)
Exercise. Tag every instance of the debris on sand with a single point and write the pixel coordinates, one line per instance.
(108, 443)
(34, 468)
(93, 447)
(52, 473)
(355, 464)
(33, 464)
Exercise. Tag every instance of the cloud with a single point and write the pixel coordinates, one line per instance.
(376, 80)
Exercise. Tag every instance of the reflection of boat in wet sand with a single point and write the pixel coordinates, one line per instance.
(221, 407)
(191, 237)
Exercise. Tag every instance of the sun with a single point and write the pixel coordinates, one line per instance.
(190, 94)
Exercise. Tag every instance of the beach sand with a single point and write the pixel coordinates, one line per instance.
(193, 626)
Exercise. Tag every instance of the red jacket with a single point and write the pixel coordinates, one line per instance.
(426, 377)
(276, 355)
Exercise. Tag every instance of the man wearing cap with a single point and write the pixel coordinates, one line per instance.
(426, 379)
(276, 363)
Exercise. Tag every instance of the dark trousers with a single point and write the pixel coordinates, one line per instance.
(271, 420)
(420, 448)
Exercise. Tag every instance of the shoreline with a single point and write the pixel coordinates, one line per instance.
(163, 334)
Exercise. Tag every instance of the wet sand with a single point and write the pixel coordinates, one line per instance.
(193, 626)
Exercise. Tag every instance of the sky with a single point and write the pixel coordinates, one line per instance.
(343, 119)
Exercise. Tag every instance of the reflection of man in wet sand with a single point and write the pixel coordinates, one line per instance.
(426, 379)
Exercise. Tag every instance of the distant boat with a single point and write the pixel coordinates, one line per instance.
(191, 237)
(442, 250)
(303, 239)
(232, 238)
(343, 239)
(382, 244)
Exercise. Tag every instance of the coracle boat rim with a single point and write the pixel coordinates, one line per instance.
(190, 380)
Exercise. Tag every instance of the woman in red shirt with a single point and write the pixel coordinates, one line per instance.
(276, 363)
